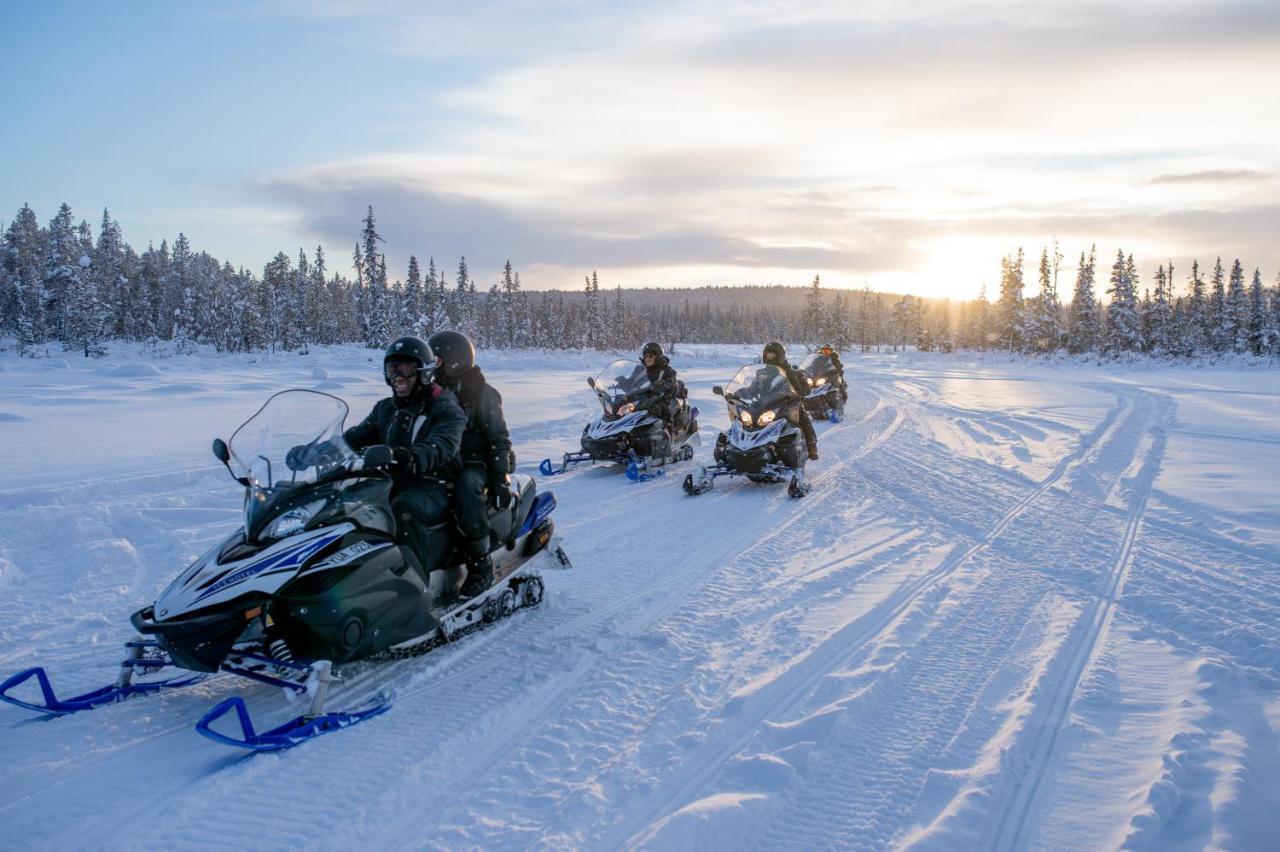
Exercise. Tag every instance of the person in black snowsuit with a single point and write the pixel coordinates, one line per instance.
(415, 434)
(776, 354)
(486, 456)
(831, 353)
(663, 385)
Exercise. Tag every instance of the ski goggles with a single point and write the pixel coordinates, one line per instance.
(403, 369)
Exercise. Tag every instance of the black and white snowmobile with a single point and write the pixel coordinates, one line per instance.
(762, 444)
(626, 432)
(827, 391)
(315, 578)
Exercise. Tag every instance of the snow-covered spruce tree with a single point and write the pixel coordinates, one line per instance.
(411, 307)
(277, 278)
(837, 334)
(1257, 321)
(1216, 316)
(319, 309)
(593, 336)
(108, 272)
(388, 304)
(61, 266)
(507, 308)
(371, 272)
(85, 319)
(437, 309)
(812, 329)
(1236, 315)
(24, 271)
(1124, 331)
(466, 302)
(184, 301)
(1010, 318)
(1082, 328)
(1194, 322)
(1047, 334)
(1160, 337)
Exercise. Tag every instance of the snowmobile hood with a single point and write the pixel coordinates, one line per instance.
(207, 583)
(601, 428)
(750, 439)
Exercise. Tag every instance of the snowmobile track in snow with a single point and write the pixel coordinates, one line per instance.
(792, 687)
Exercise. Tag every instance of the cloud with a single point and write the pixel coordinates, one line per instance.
(813, 137)
(1213, 176)
(415, 219)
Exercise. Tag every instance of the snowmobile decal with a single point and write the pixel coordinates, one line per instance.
(347, 554)
(293, 557)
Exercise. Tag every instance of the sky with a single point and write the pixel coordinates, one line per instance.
(902, 146)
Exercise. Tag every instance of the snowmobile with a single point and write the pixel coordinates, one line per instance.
(762, 444)
(315, 578)
(626, 432)
(827, 390)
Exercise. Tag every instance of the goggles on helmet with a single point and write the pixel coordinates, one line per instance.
(404, 369)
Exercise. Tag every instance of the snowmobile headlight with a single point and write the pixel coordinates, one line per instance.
(291, 522)
(766, 418)
(819, 382)
(745, 417)
(626, 408)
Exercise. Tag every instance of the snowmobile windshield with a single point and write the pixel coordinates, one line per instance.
(621, 381)
(758, 387)
(292, 441)
(817, 365)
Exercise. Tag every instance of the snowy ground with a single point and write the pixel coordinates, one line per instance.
(1024, 607)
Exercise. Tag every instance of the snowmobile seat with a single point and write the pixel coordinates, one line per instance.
(504, 523)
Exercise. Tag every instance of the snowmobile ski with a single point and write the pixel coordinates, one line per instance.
(124, 687)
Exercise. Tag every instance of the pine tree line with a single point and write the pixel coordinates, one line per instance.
(60, 285)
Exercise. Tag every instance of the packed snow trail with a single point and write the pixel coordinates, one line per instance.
(1017, 610)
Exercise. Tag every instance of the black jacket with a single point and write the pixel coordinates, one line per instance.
(798, 384)
(662, 380)
(485, 441)
(429, 424)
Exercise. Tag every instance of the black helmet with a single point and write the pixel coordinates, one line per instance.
(410, 348)
(651, 348)
(456, 349)
(774, 353)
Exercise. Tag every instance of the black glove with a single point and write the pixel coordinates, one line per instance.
(304, 456)
(499, 490)
(378, 456)
(296, 458)
(382, 456)
(405, 460)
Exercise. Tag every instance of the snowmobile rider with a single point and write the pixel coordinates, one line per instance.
(662, 384)
(486, 456)
(776, 355)
(830, 351)
(415, 434)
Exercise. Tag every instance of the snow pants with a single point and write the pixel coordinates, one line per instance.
(470, 508)
(806, 427)
(418, 507)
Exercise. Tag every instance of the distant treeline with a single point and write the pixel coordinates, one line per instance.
(58, 285)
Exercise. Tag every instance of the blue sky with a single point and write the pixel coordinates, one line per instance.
(904, 145)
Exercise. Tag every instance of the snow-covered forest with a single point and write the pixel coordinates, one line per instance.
(60, 285)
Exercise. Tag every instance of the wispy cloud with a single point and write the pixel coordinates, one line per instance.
(1214, 176)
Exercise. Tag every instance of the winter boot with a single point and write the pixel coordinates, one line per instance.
(479, 576)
